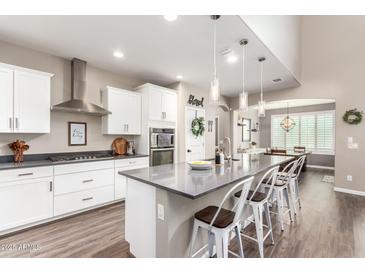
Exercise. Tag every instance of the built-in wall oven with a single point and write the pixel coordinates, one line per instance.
(162, 146)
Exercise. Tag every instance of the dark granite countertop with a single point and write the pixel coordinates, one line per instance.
(39, 163)
(181, 179)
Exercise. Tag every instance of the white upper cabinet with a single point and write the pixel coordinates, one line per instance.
(26, 100)
(169, 106)
(126, 112)
(6, 102)
(161, 103)
(32, 99)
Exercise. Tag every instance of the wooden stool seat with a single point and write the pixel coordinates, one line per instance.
(225, 217)
(257, 197)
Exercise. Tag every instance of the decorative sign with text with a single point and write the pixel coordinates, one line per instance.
(195, 102)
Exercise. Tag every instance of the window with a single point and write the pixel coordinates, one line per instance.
(313, 130)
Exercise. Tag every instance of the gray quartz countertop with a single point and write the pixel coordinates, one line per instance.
(181, 179)
(28, 164)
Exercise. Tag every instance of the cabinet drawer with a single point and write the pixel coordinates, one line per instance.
(132, 162)
(79, 167)
(83, 199)
(25, 173)
(73, 182)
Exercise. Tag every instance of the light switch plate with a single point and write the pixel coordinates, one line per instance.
(349, 178)
(353, 145)
(160, 212)
(350, 140)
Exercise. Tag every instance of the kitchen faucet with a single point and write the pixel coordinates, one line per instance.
(228, 154)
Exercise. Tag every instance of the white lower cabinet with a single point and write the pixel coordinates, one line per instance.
(29, 196)
(25, 201)
(89, 187)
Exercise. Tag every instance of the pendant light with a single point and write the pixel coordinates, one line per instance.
(287, 123)
(243, 99)
(261, 103)
(214, 85)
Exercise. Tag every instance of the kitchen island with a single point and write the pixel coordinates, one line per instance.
(161, 201)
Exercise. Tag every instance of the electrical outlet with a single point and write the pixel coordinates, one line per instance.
(349, 178)
(160, 212)
(350, 140)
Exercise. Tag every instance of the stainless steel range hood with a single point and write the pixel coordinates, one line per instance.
(78, 89)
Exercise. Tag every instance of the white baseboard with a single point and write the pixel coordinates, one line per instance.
(321, 167)
(349, 191)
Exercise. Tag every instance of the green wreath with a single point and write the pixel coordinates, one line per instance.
(197, 126)
(353, 116)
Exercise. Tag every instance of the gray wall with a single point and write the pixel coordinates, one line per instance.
(265, 132)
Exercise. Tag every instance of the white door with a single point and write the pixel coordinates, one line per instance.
(6, 101)
(31, 102)
(25, 202)
(169, 106)
(133, 113)
(195, 146)
(155, 104)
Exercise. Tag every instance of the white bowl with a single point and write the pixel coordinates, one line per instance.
(200, 165)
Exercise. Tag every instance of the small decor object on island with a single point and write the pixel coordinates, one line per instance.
(353, 116)
(18, 147)
(197, 126)
(77, 134)
(120, 146)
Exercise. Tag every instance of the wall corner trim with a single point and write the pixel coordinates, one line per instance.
(349, 191)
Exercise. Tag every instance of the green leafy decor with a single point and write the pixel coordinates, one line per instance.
(353, 116)
(197, 126)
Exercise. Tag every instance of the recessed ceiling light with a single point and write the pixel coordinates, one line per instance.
(277, 80)
(170, 18)
(231, 58)
(118, 54)
(179, 77)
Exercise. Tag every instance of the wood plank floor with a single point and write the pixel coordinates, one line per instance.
(329, 224)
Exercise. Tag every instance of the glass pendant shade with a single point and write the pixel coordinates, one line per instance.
(243, 102)
(214, 91)
(261, 109)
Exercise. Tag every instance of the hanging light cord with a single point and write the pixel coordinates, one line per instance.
(215, 41)
(243, 70)
(262, 72)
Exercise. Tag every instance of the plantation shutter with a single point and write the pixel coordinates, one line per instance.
(315, 131)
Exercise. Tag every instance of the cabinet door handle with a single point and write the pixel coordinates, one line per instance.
(16, 123)
(87, 199)
(127, 127)
(10, 123)
(88, 181)
(25, 174)
(132, 162)
(50, 186)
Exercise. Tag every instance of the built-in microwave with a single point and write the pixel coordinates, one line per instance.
(162, 146)
(162, 137)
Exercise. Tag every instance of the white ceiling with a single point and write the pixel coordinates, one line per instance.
(155, 50)
(295, 103)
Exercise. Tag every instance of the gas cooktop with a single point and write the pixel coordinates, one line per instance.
(69, 158)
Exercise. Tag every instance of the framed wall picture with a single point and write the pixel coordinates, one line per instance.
(77, 134)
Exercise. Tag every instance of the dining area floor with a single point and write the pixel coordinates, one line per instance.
(329, 224)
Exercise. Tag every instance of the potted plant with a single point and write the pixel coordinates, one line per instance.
(253, 145)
